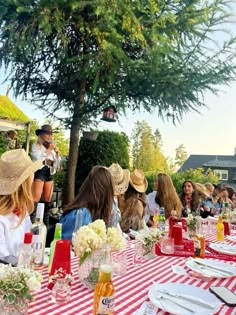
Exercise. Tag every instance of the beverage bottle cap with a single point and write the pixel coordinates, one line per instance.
(28, 238)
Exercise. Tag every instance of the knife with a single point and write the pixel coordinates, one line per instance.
(214, 268)
(189, 298)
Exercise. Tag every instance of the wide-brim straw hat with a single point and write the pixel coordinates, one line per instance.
(120, 177)
(201, 189)
(44, 129)
(15, 167)
(138, 181)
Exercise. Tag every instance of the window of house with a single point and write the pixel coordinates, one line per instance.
(223, 174)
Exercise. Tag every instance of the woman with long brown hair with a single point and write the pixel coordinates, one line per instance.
(94, 200)
(166, 196)
(189, 197)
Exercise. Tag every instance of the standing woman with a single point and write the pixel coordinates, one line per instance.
(44, 149)
(166, 196)
(16, 201)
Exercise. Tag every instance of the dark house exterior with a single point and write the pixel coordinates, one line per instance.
(223, 165)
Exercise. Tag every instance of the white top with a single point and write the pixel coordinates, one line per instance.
(151, 203)
(11, 238)
(38, 152)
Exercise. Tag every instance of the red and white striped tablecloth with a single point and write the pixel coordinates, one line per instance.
(131, 288)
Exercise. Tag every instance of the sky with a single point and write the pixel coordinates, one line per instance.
(211, 132)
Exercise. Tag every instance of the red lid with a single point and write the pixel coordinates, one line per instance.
(28, 238)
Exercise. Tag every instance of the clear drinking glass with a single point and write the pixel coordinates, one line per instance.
(167, 245)
(138, 253)
(61, 290)
(119, 262)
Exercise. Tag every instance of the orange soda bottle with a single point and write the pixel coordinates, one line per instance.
(155, 218)
(220, 229)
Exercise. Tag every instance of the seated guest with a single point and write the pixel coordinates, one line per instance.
(210, 201)
(16, 201)
(132, 203)
(205, 209)
(228, 195)
(95, 200)
(166, 196)
(189, 198)
(121, 182)
(151, 206)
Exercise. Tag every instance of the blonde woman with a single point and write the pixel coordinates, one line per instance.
(44, 149)
(16, 201)
(166, 196)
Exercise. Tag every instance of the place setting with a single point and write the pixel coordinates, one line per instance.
(223, 248)
(183, 299)
(211, 268)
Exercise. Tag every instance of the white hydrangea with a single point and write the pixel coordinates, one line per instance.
(115, 239)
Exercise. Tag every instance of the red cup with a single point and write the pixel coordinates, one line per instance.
(226, 228)
(177, 235)
(184, 226)
(61, 262)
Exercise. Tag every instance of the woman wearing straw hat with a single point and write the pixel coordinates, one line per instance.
(132, 203)
(121, 183)
(44, 149)
(16, 201)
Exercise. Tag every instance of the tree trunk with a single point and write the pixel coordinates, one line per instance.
(68, 192)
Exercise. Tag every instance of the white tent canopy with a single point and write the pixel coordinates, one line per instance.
(6, 125)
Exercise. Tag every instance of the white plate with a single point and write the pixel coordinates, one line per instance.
(224, 248)
(191, 264)
(190, 290)
(231, 238)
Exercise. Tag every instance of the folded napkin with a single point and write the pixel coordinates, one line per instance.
(226, 247)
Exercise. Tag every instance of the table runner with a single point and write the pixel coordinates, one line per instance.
(131, 288)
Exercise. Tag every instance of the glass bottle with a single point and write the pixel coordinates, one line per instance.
(39, 231)
(220, 229)
(57, 236)
(104, 290)
(155, 218)
(25, 259)
(162, 219)
(199, 246)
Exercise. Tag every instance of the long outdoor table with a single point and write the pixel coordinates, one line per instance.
(131, 288)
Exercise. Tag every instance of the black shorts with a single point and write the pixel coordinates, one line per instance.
(43, 174)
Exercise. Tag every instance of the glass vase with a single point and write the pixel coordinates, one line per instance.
(89, 270)
(18, 307)
(191, 232)
(149, 251)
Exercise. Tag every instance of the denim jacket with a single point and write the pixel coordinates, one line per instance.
(68, 222)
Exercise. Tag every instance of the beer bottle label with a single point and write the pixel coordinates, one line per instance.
(106, 305)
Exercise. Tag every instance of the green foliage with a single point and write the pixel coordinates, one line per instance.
(59, 178)
(181, 155)
(146, 149)
(3, 143)
(110, 147)
(196, 175)
(10, 111)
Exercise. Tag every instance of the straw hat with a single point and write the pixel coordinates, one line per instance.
(15, 167)
(120, 178)
(44, 129)
(201, 189)
(138, 181)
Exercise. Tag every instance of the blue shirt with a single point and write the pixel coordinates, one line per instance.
(68, 222)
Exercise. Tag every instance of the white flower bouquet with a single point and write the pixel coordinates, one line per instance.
(16, 283)
(149, 237)
(93, 236)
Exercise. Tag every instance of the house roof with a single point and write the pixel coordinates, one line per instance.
(11, 117)
(199, 160)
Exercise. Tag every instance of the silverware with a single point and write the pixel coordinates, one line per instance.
(165, 297)
(191, 299)
(214, 268)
